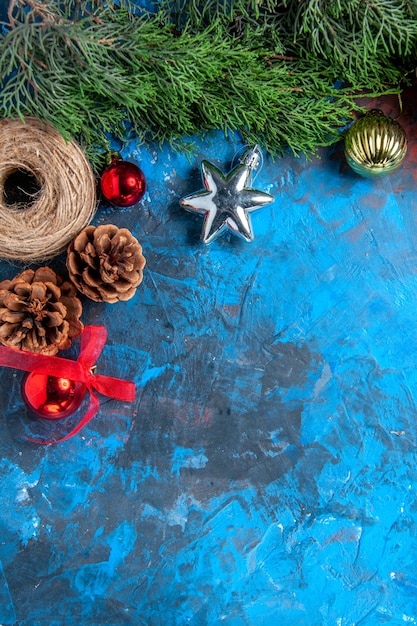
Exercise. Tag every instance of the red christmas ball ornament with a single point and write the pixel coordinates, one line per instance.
(50, 397)
(122, 183)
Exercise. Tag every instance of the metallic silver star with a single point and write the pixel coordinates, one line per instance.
(227, 200)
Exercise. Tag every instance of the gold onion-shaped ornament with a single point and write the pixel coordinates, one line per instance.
(375, 145)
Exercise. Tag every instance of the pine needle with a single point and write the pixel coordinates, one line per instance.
(264, 69)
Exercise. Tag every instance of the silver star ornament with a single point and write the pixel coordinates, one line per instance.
(228, 199)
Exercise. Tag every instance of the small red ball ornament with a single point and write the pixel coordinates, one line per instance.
(122, 183)
(50, 397)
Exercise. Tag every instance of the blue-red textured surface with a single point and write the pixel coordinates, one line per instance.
(266, 473)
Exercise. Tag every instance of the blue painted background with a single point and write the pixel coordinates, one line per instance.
(266, 473)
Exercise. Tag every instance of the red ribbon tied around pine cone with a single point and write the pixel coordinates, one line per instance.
(93, 340)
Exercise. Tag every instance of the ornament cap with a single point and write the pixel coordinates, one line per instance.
(112, 157)
(252, 158)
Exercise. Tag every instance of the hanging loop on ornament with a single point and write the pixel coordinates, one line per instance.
(115, 149)
(252, 157)
(400, 105)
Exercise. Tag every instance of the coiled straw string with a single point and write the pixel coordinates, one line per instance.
(60, 195)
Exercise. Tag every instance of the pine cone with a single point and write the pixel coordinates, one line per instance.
(105, 263)
(39, 312)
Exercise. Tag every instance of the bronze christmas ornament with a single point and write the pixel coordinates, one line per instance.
(375, 145)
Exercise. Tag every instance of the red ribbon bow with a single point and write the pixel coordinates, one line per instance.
(93, 340)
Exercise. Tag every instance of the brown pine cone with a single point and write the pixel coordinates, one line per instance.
(39, 312)
(105, 263)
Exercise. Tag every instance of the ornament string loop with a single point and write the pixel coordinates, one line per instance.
(93, 340)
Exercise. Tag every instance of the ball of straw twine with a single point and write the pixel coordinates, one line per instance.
(65, 200)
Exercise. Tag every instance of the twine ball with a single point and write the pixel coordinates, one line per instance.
(60, 199)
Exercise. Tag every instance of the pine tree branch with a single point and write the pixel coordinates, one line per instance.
(264, 69)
